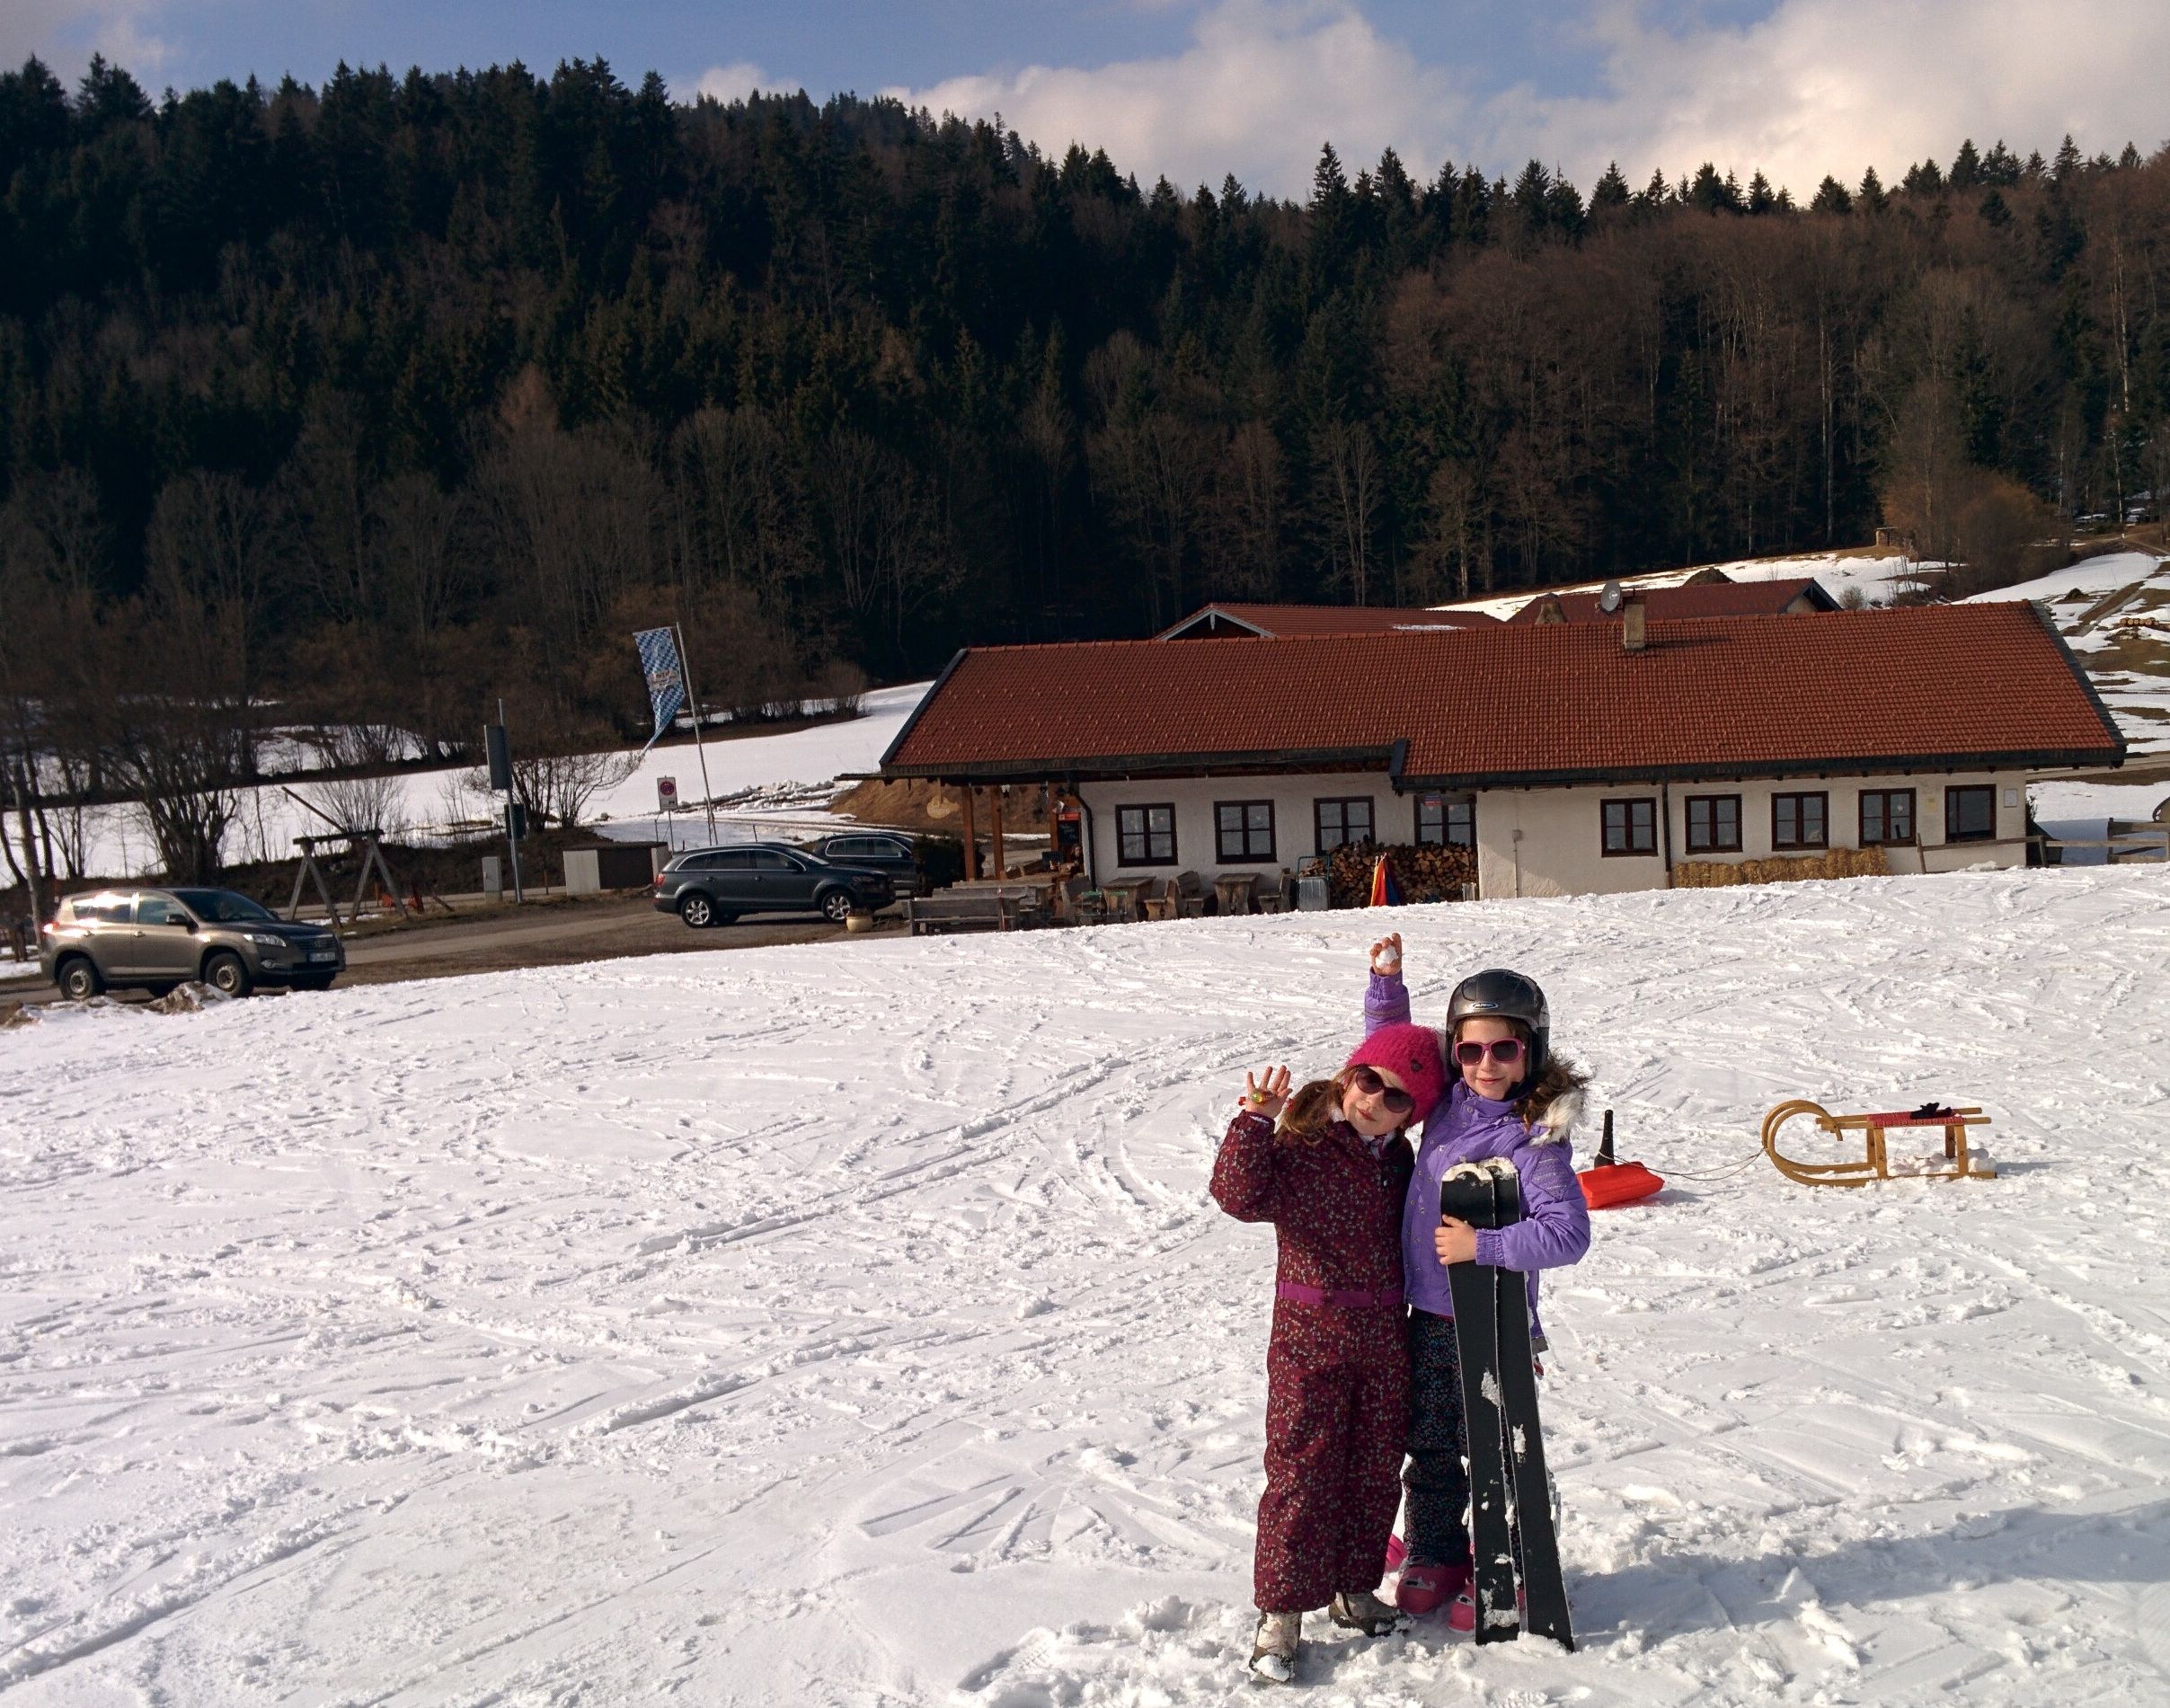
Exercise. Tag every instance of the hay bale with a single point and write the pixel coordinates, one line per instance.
(1833, 863)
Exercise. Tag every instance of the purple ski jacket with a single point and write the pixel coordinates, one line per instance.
(1554, 1228)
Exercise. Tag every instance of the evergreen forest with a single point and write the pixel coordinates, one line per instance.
(365, 405)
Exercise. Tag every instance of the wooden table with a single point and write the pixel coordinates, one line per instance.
(1237, 892)
(1122, 895)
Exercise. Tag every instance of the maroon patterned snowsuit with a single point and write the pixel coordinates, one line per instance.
(1337, 1376)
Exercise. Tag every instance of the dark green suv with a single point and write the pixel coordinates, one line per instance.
(156, 939)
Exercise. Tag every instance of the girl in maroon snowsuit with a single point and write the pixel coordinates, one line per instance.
(1331, 1177)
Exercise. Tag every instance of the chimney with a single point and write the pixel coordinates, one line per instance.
(1633, 636)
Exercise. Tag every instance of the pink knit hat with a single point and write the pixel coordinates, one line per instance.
(1411, 1055)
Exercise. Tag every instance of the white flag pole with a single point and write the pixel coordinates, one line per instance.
(708, 795)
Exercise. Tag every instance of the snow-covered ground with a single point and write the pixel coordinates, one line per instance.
(849, 1323)
(1878, 578)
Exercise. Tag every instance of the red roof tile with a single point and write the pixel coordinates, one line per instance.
(1932, 686)
(1280, 619)
(1700, 599)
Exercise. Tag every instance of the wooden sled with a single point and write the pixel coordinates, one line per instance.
(1959, 1163)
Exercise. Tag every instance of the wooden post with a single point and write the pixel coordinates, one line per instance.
(971, 841)
(993, 797)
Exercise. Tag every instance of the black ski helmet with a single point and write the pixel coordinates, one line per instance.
(1497, 993)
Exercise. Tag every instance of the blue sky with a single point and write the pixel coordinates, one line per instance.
(1197, 88)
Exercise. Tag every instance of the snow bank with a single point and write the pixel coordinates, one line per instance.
(1878, 578)
(850, 1323)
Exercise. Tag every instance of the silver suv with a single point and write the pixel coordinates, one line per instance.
(156, 939)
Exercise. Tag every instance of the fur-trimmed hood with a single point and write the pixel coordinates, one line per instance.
(1562, 1119)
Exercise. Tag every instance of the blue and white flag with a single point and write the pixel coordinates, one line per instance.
(666, 675)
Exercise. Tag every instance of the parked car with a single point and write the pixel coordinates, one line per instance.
(889, 851)
(714, 886)
(156, 939)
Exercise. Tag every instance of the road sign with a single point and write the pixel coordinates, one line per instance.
(667, 794)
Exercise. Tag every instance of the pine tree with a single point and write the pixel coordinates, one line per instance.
(2067, 166)
(1966, 167)
(1610, 190)
(1831, 198)
(1926, 179)
(1760, 197)
(1871, 194)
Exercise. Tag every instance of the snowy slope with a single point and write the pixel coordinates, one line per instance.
(849, 1324)
(796, 769)
(1878, 578)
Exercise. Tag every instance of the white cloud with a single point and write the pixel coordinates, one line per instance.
(64, 33)
(1816, 86)
(1258, 89)
(737, 81)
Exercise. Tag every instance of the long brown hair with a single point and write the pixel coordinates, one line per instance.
(1312, 1111)
(1560, 1077)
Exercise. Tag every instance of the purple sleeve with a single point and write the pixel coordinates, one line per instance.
(1554, 1228)
(1386, 1003)
(1243, 1179)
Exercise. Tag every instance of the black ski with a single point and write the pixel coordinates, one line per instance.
(1544, 1592)
(1506, 1444)
(1469, 1192)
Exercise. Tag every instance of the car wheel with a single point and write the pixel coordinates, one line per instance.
(227, 974)
(78, 980)
(836, 907)
(698, 911)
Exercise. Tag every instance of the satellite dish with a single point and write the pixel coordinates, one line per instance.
(1609, 601)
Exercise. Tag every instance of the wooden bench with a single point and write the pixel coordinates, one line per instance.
(991, 909)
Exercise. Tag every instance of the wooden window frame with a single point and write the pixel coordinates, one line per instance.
(1146, 807)
(1688, 820)
(1951, 797)
(1629, 802)
(1243, 856)
(1318, 821)
(1887, 840)
(1797, 845)
(1447, 803)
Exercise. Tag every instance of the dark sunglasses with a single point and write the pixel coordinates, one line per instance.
(1506, 1051)
(1397, 1102)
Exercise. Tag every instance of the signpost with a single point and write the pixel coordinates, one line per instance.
(499, 746)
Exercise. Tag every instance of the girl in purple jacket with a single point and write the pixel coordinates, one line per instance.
(1331, 1175)
(1513, 1098)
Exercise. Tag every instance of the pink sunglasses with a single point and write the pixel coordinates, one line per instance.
(1506, 1051)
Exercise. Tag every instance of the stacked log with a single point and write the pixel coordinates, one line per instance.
(1430, 872)
(1833, 863)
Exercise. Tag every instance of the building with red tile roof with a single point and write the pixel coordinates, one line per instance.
(1717, 596)
(1571, 757)
(1222, 622)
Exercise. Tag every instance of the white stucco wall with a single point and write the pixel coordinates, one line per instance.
(1295, 827)
(1560, 848)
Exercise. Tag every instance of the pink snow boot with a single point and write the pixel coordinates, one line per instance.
(1422, 1588)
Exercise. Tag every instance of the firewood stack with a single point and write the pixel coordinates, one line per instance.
(1430, 872)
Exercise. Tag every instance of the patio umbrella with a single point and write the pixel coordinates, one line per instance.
(1385, 888)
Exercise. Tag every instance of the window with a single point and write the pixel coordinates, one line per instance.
(1887, 817)
(1449, 819)
(738, 860)
(1631, 826)
(1341, 821)
(1243, 830)
(157, 910)
(1798, 821)
(112, 910)
(1145, 835)
(1713, 824)
(1969, 815)
(769, 860)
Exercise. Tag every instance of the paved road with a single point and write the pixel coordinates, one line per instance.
(542, 935)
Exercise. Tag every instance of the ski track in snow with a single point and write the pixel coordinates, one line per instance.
(852, 1326)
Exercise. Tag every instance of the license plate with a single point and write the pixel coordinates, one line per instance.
(323, 954)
